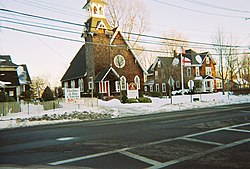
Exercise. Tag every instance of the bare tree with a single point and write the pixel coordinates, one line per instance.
(172, 42)
(130, 16)
(227, 51)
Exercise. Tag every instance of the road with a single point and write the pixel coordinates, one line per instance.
(217, 137)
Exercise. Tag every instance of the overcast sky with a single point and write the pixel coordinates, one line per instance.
(196, 20)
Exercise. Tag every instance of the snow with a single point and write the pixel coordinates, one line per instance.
(114, 108)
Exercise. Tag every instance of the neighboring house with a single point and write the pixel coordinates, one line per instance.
(161, 74)
(203, 71)
(105, 64)
(14, 78)
(198, 73)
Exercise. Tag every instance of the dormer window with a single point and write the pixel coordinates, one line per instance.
(207, 60)
(159, 64)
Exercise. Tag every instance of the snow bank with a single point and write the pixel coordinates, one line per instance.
(114, 108)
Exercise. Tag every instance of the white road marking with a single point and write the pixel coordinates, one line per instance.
(65, 139)
(141, 158)
(201, 141)
(87, 157)
(239, 130)
(159, 142)
(200, 154)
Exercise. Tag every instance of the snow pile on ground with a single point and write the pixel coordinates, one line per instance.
(114, 108)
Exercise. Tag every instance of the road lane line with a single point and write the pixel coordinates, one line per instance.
(87, 157)
(239, 130)
(141, 158)
(142, 145)
(200, 154)
(201, 141)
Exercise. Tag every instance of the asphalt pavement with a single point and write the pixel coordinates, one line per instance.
(217, 137)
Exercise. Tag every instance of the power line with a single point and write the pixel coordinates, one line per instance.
(194, 10)
(43, 27)
(32, 22)
(40, 17)
(216, 6)
(101, 44)
(40, 34)
(46, 7)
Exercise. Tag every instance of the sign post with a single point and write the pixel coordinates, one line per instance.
(171, 84)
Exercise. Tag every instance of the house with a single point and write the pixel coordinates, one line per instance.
(163, 76)
(198, 73)
(105, 65)
(14, 78)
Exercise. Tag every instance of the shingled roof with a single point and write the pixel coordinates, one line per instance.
(77, 68)
(5, 60)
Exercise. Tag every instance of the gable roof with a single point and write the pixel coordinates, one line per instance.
(5, 60)
(93, 23)
(104, 73)
(77, 68)
(9, 76)
(166, 61)
(117, 30)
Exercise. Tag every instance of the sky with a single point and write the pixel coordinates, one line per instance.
(48, 57)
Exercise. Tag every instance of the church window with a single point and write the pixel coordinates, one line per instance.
(137, 82)
(117, 86)
(72, 84)
(95, 10)
(123, 83)
(100, 11)
(80, 83)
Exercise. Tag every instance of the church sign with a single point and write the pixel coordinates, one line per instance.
(132, 90)
(72, 94)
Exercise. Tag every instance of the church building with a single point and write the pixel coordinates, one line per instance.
(106, 65)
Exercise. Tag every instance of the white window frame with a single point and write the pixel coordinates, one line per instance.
(73, 84)
(197, 71)
(208, 70)
(81, 85)
(189, 72)
(159, 64)
(163, 75)
(91, 83)
(156, 74)
(145, 88)
(157, 87)
(117, 86)
(137, 81)
(151, 88)
(164, 89)
(207, 60)
(123, 82)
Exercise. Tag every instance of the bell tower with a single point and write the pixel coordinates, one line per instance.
(95, 8)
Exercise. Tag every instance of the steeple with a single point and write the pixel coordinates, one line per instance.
(97, 22)
(95, 8)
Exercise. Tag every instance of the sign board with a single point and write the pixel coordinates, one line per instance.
(171, 81)
(72, 94)
(132, 90)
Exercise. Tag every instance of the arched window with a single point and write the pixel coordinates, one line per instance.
(95, 10)
(137, 82)
(66, 85)
(80, 84)
(72, 84)
(123, 82)
(100, 11)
